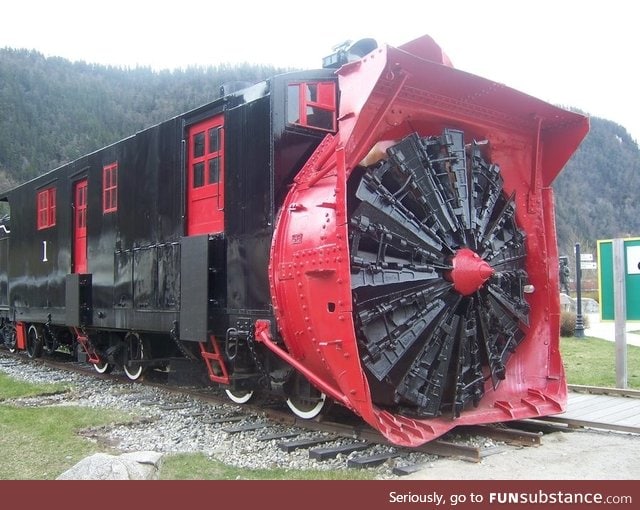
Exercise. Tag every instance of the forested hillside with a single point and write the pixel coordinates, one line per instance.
(53, 111)
(597, 193)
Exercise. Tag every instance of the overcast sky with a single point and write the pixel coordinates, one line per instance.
(580, 53)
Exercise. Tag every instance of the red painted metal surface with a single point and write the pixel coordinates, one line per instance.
(21, 331)
(216, 367)
(80, 227)
(385, 96)
(469, 272)
(205, 177)
(83, 339)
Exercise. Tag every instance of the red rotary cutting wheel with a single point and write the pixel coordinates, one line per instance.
(414, 263)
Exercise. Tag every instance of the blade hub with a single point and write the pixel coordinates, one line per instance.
(469, 272)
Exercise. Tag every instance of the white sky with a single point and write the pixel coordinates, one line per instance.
(580, 53)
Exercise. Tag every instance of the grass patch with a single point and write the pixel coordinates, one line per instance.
(592, 362)
(12, 388)
(39, 443)
(200, 467)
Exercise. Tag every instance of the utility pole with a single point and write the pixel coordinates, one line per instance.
(579, 329)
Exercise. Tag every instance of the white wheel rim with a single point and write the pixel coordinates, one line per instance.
(32, 340)
(239, 398)
(101, 367)
(135, 374)
(307, 414)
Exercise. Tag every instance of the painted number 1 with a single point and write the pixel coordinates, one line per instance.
(44, 251)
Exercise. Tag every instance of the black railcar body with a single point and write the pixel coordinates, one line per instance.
(144, 273)
(135, 253)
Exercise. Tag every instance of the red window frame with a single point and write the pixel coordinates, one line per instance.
(46, 208)
(110, 188)
(309, 99)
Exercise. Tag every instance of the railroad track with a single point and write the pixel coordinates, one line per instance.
(596, 390)
(338, 434)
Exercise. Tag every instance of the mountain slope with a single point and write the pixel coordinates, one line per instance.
(597, 193)
(53, 110)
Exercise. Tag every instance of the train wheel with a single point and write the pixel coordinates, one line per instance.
(103, 367)
(136, 350)
(239, 396)
(34, 342)
(308, 407)
(304, 399)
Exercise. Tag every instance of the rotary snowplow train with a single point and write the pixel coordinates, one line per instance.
(377, 233)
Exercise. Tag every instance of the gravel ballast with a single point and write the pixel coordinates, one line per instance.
(169, 423)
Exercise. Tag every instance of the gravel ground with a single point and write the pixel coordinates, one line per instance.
(170, 423)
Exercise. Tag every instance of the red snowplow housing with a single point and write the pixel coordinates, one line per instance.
(384, 97)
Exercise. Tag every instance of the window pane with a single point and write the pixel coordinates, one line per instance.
(52, 207)
(293, 103)
(198, 145)
(214, 170)
(317, 117)
(198, 175)
(214, 140)
(45, 199)
(112, 199)
(312, 92)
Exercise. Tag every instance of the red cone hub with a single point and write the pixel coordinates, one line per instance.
(469, 272)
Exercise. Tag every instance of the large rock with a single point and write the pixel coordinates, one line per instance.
(566, 302)
(569, 304)
(128, 466)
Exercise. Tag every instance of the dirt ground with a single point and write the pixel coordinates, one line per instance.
(573, 455)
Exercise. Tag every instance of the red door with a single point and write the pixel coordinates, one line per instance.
(205, 177)
(80, 227)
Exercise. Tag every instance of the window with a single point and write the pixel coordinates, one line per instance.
(312, 105)
(110, 188)
(206, 149)
(46, 205)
